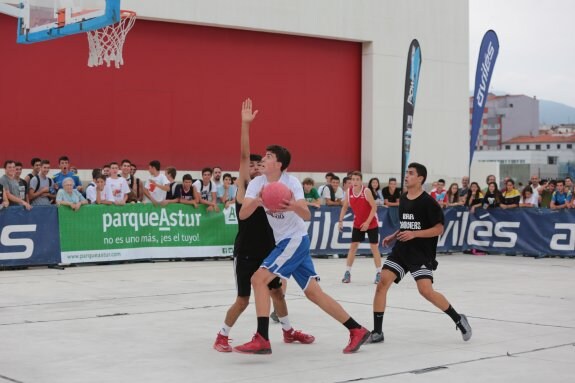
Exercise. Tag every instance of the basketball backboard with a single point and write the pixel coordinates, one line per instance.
(41, 20)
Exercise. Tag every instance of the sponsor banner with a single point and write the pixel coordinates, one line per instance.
(485, 63)
(535, 232)
(411, 83)
(99, 233)
(29, 237)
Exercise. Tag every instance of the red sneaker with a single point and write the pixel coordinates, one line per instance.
(297, 336)
(221, 344)
(258, 345)
(357, 337)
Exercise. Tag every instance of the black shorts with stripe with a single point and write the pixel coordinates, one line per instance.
(399, 266)
(244, 268)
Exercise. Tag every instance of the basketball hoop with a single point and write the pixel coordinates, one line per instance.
(106, 44)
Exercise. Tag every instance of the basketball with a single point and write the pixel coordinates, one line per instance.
(273, 194)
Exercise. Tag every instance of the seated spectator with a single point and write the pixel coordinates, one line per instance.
(310, 193)
(463, 191)
(332, 195)
(12, 186)
(64, 165)
(474, 197)
(546, 193)
(172, 194)
(91, 188)
(117, 187)
(103, 195)
(36, 164)
(561, 198)
(328, 177)
(452, 197)
(136, 194)
(374, 187)
(510, 197)
(346, 185)
(40, 185)
(391, 193)
(207, 191)
(227, 191)
(440, 193)
(528, 198)
(187, 193)
(492, 197)
(68, 196)
(156, 187)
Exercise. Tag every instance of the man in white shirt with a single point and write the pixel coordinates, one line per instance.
(117, 188)
(156, 187)
(217, 177)
(207, 190)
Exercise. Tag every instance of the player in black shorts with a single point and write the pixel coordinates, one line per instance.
(421, 223)
(254, 241)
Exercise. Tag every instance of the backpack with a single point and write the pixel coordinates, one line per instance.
(37, 177)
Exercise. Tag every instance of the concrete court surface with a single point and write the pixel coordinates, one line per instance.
(156, 322)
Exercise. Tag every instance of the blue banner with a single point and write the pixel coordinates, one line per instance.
(29, 237)
(411, 83)
(485, 63)
(535, 232)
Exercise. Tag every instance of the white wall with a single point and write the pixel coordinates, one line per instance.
(386, 28)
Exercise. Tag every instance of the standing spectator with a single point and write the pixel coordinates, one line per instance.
(511, 196)
(22, 185)
(117, 187)
(91, 188)
(207, 190)
(546, 193)
(106, 170)
(328, 177)
(474, 197)
(172, 194)
(569, 185)
(3, 199)
(155, 187)
(492, 197)
(490, 178)
(227, 191)
(464, 187)
(64, 165)
(103, 195)
(133, 169)
(528, 198)
(374, 188)
(440, 193)
(452, 197)
(561, 198)
(187, 192)
(332, 195)
(11, 185)
(217, 177)
(136, 188)
(36, 164)
(68, 196)
(310, 193)
(534, 183)
(346, 185)
(40, 186)
(391, 193)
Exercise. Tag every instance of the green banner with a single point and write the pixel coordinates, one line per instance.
(100, 233)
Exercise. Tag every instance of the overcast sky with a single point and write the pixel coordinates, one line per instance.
(536, 46)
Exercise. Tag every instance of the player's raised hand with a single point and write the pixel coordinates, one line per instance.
(247, 114)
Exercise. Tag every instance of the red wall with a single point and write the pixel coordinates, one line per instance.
(178, 97)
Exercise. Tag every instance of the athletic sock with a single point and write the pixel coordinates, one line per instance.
(351, 324)
(453, 314)
(348, 268)
(378, 322)
(285, 323)
(225, 330)
(263, 326)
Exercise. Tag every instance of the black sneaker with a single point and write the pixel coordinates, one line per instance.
(375, 337)
(464, 327)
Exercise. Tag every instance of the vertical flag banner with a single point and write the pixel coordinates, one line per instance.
(411, 82)
(485, 63)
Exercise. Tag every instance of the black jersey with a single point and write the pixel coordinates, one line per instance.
(419, 214)
(255, 239)
(388, 196)
(187, 195)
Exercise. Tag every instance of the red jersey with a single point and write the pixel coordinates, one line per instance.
(361, 208)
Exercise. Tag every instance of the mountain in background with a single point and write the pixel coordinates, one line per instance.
(554, 113)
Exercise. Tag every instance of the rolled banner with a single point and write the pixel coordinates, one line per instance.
(485, 63)
(411, 82)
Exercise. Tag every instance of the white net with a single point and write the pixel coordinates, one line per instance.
(106, 44)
